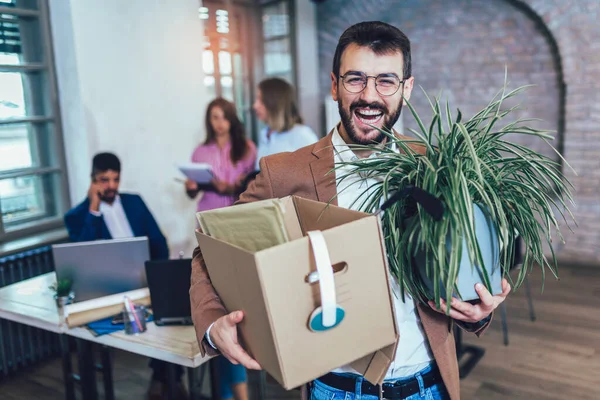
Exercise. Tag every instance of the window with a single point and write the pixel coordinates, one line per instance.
(227, 47)
(33, 184)
(278, 40)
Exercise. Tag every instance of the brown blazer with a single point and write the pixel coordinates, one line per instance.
(305, 173)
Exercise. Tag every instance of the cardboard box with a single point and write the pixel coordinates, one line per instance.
(271, 286)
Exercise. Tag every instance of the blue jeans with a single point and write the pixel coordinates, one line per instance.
(320, 391)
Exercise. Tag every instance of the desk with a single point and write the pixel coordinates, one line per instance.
(31, 302)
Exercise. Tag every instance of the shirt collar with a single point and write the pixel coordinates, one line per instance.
(344, 152)
(341, 149)
(117, 201)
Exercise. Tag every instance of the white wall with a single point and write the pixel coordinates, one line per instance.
(307, 66)
(130, 81)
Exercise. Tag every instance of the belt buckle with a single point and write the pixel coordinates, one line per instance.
(381, 391)
(396, 386)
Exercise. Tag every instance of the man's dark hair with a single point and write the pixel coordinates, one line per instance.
(102, 162)
(378, 36)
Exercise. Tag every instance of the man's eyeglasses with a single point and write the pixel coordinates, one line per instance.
(385, 84)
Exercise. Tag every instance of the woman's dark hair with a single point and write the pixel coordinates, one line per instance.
(378, 36)
(239, 144)
(279, 99)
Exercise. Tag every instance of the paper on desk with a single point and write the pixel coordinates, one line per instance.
(87, 311)
(254, 226)
(198, 172)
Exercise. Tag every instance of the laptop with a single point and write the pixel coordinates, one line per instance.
(102, 267)
(169, 284)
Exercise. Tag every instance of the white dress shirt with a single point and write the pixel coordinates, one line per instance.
(413, 352)
(115, 219)
(279, 142)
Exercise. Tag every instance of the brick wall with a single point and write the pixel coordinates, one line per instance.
(462, 46)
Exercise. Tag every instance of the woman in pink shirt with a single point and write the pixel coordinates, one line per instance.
(227, 150)
(232, 158)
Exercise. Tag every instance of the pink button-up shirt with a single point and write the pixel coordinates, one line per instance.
(223, 169)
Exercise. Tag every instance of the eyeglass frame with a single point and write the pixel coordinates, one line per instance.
(360, 73)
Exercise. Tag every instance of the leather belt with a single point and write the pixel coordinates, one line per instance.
(391, 390)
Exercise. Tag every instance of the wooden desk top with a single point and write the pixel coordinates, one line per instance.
(30, 302)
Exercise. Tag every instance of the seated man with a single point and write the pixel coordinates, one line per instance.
(108, 214)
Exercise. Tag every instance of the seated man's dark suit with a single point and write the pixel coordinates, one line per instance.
(84, 226)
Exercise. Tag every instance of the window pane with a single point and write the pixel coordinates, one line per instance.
(15, 147)
(28, 197)
(24, 94)
(223, 42)
(203, 12)
(9, 59)
(222, 17)
(12, 98)
(278, 58)
(21, 37)
(276, 20)
(27, 145)
(209, 83)
(238, 85)
(208, 62)
(26, 4)
(225, 63)
(227, 87)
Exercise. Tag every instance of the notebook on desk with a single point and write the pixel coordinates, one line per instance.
(169, 284)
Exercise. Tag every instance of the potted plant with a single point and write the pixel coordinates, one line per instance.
(491, 190)
(62, 292)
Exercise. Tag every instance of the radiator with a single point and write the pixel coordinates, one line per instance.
(21, 345)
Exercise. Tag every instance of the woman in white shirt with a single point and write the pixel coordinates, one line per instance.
(275, 105)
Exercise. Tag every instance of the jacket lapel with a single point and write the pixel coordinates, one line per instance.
(436, 326)
(321, 169)
(105, 232)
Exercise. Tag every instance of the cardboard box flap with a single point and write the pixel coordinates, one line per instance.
(317, 216)
(378, 368)
(374, 366)
(290, 219)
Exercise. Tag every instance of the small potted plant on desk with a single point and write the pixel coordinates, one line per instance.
(488, 191)
(62, 292)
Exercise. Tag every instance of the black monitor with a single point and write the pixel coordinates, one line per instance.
(169, 285)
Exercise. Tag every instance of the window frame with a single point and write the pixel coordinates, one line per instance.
(54, 143)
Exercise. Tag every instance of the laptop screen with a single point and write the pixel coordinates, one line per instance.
(169, 285)
(102, 267)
